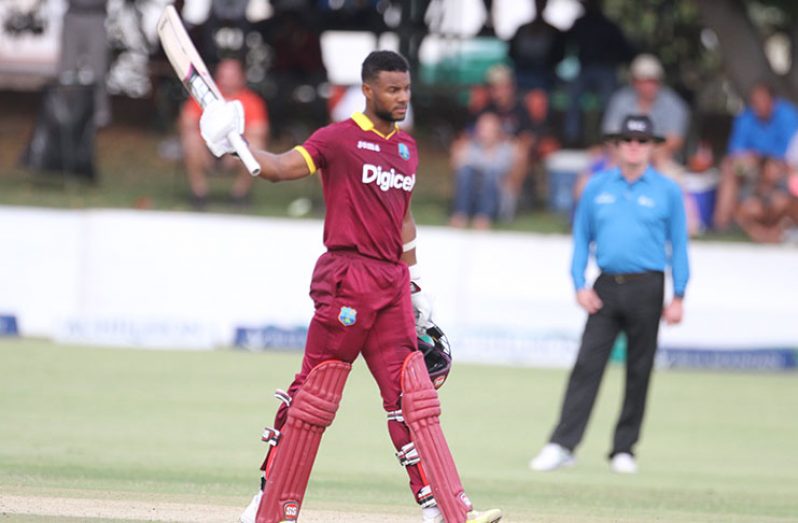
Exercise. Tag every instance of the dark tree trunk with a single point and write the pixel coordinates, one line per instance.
(741, 45)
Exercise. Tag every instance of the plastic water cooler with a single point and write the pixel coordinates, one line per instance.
(563, 168)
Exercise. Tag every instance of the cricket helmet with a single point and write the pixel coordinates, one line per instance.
(437, 354)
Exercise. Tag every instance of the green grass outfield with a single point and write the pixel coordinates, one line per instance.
(185, 426)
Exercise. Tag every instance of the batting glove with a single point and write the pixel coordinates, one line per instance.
(219, 119)
(422, 305)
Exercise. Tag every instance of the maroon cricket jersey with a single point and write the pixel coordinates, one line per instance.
(367, 178)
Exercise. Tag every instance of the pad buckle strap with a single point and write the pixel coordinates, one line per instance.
(271, 436)
(408, 455)
(283, 396)
(396, 415)
(425, 497)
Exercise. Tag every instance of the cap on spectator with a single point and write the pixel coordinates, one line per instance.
(499, 74)
(646, 67)
(636, 126)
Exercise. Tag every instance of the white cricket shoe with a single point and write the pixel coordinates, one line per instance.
(251, 512)
(485, 516)
(551, 457)
(433, 515)
(623, 463)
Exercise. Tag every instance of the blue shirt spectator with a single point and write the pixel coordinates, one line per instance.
(631, 226)
(765, 133)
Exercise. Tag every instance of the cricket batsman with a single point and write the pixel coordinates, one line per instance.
(367, 296)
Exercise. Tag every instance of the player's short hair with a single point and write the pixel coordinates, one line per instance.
(378, 61)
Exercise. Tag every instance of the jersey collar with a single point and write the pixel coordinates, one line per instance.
(366, 124)
(645, 177)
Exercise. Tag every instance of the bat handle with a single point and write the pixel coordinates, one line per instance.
(242, 149)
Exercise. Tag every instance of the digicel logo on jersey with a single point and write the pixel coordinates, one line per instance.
(387, 179)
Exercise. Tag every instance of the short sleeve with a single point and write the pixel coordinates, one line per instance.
(320, 146)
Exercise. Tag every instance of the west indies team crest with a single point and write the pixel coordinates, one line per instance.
(347, 316)
(404, 151)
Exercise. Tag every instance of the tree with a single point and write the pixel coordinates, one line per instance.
(742, 27)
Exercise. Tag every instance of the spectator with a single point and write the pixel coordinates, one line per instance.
(487, 28)
(198, 160)
(763, 129)
(480, 169)
(601, 48)
(792, 187)
(298, 69)
(647, 95)
(85, 53)
(765, 214)
(535, 50)
(223, 31)
(518, 125)
(541, 143)
(633, 216)
(668, 112)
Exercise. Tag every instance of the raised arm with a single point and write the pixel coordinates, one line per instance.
(221, 118)
(289, 165)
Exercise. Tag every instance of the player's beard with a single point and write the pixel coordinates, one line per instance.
(388, 116)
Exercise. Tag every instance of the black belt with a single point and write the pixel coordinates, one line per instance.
(621, 278)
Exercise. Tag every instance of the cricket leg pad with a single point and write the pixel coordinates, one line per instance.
(312, 410)
(421, 410)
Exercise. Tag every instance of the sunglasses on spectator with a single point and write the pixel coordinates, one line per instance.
(642, 141)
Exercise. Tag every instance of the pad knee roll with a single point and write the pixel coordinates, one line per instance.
(312, 410)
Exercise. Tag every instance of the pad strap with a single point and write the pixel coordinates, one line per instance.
(271, 436)
(283, 396)
(396, 415)
(408, 455)
(425, 497)
(312, 410)
(422, 408)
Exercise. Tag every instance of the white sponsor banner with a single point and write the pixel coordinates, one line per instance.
(499, 296)
(154, 333)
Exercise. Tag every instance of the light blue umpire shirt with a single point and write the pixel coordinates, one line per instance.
(633, 227)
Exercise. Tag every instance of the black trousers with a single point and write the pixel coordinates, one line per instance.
(632, 304)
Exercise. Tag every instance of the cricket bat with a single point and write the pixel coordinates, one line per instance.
(192, 71)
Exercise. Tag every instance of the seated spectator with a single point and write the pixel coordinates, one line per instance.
(540, 143)
(791, 234)
(198, 159)
(480, 168)
(647, 94)
(763, 129)
(515, 121)
(765, 214)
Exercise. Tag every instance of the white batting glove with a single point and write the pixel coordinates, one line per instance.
(422, 305)
(217, 121)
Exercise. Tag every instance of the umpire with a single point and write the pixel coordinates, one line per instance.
(634, 217)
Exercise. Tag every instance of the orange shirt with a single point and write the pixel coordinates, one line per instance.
(255, 111)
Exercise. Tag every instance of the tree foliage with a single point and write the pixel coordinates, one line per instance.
(701, 54)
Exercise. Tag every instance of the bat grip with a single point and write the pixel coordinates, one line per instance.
(242, 149)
